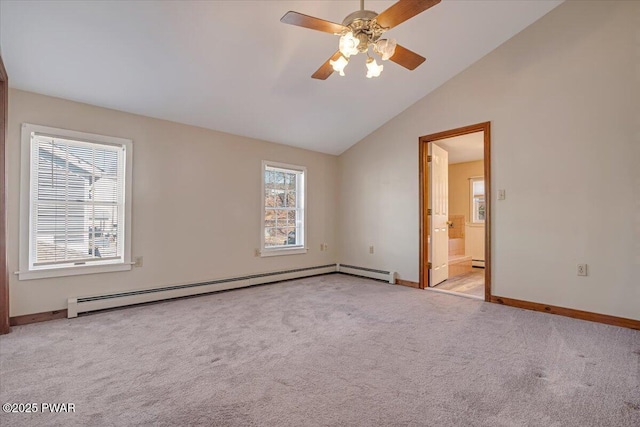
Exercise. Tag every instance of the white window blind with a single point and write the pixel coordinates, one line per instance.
(284, 216)
(75, 203)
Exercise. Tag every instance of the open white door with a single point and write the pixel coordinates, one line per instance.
(439, 207)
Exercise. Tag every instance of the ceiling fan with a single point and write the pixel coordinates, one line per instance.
(361, 30)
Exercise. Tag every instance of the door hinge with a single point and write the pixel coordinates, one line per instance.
(428, 158)
(428, 211)
(429, 265)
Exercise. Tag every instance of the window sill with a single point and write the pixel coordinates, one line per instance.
(283, 251)
(72, 271)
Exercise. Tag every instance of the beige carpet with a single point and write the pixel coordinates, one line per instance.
(330, 350)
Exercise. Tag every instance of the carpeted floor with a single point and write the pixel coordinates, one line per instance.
(329, 350)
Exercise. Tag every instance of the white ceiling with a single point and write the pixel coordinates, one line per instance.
(464, 148)
(232, 66)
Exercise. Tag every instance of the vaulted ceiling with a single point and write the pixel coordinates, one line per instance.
(232, 66)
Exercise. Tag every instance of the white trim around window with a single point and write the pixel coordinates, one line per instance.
(477, 201)
(293, 232)
(109, 202)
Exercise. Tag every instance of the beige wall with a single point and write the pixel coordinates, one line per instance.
(459, 190)
(196, 202)
(563, 98)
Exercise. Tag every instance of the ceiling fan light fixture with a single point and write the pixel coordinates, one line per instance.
(385, 48)
(373, 69)
(339, 64)
(348, 44)
(362, 30)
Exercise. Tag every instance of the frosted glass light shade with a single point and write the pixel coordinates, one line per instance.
(386, 48)
(373, 69)
(348, 45)
(339, 64)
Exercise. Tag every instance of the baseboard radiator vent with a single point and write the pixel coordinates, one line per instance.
(477, 263)
(387, 276)
(101, 302)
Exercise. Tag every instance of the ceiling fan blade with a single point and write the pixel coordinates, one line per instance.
(403, 10)
(408, 59)
(326, 69)
(306, 21)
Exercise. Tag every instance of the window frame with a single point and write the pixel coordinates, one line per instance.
(291, 250)
(472, 213)
(27, 270)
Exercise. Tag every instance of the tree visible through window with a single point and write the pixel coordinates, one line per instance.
(283, 206)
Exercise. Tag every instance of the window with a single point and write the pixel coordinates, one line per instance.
(283, 213)
(75, 203)
(478, 205)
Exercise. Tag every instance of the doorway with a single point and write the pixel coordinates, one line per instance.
(455, 211)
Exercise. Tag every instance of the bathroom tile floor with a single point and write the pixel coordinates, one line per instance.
(464, 279)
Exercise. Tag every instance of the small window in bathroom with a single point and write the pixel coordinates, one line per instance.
(478, 205)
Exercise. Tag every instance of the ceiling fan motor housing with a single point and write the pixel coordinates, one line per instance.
(364, 27)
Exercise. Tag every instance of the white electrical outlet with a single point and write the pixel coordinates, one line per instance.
(370, 249)
(582, 270)
(502, 194)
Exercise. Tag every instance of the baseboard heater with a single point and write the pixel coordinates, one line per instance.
(387, 276)
(101, 302)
